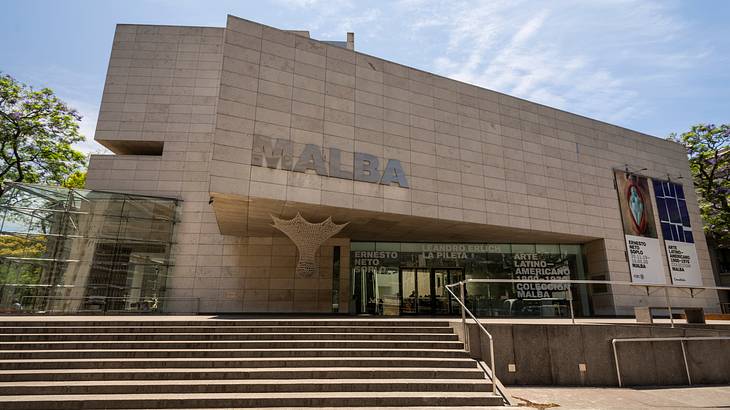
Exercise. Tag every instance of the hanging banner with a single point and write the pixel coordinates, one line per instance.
(677, 232)
(637, 214)
(683, 263)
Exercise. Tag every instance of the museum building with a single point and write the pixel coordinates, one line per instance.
(260, 170)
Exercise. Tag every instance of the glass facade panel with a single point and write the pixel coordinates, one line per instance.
(387, 246)
(673, 213)
(67, 250)
(423, 291)
(362, 246)
(408, 284)
(425, 268)
(388, 292)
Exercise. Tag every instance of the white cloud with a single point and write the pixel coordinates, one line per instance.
(332, 20)
(299, 3)
(350, 23)
(592, 58)
(585, 57)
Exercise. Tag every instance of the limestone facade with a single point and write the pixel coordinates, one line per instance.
(182, 106)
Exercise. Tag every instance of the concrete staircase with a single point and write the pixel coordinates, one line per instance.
(166, 362)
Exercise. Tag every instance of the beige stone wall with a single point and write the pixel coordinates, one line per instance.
(470, 154)
(269, 282)
(162, 85)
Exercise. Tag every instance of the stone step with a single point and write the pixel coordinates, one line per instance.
(243, 386)
(370, 408)
(236, 363)
(39, 337)
(227, 353)
(244, 373)
(254, 362)
(228, 322)
(232, 400)
(232, 344)
(224, 329)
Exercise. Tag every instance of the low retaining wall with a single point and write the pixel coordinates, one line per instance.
(553, 354)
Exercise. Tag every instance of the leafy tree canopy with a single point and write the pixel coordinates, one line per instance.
(75, 180)
(708, 148)
(23, 247)
(37, 131)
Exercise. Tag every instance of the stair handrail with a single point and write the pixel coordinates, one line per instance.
(464, 311)
(681, 339)
(693, 289)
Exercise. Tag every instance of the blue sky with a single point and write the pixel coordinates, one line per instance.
(651, 66)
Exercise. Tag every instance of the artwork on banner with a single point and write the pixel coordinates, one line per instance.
(637, 214)
(635, 203)
(677, 231)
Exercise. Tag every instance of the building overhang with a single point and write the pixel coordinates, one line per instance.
(251, 216)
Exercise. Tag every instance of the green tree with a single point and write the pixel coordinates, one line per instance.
(37, 131)
(75, 180)
(21, 247)
(708, 148)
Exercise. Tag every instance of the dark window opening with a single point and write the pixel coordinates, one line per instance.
(121, 147)
(336, 279)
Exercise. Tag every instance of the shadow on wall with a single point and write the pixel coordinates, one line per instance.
(581, 355)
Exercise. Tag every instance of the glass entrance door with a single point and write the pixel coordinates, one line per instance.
(443, 302)
(440, 294)
(424, 291)
(416, 291)
(409, 296)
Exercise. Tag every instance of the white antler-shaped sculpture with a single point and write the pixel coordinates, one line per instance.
(308, 237)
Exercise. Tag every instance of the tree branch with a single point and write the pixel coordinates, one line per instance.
(18, 162)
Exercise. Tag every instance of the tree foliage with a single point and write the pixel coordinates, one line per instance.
(708, 148)
(37, 131)
(16, 272)
(75, 180)
(22, 247)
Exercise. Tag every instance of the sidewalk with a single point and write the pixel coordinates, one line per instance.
(621, 398)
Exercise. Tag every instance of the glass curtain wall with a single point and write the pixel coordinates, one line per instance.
(73, 250)
(411, 275)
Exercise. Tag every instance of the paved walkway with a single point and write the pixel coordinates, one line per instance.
(717, 397)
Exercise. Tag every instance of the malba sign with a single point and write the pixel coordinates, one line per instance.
(278, 153)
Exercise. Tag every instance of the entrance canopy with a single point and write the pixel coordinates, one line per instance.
(251, 216)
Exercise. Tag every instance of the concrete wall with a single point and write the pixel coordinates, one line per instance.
(550, 354)
(471, 155)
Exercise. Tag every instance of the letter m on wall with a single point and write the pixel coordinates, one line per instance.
(272, 153)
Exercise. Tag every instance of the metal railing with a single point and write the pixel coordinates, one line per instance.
(725, 307)
(464, 312)
(661, 339)
(692, 289)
